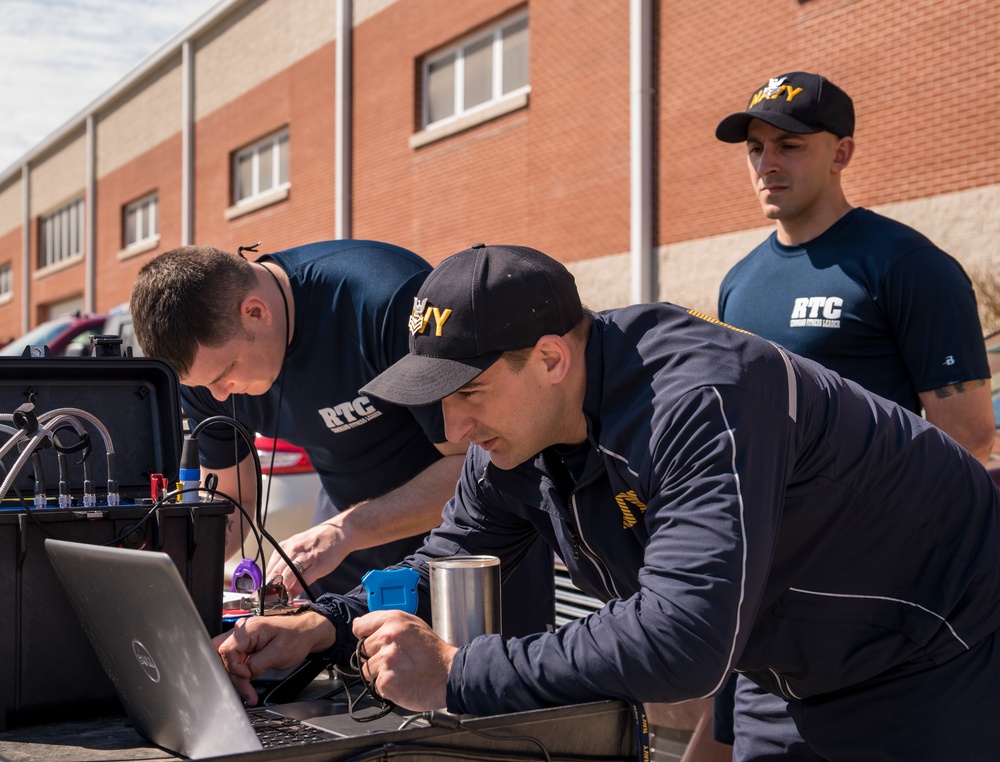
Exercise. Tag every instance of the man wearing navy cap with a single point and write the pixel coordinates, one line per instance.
(865, 295)
(735, 505)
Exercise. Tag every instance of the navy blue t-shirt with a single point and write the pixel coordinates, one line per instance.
(352, 303)
(870, 298)
(352, 299)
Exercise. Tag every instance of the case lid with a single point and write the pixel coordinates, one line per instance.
(129, 406)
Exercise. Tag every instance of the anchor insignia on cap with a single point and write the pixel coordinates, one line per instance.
(774, 86)
(416, 322)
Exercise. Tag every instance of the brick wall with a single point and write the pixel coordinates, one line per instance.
(10, 310)
(924, 75)
(157, 169)
(301, 97)
(531, 176)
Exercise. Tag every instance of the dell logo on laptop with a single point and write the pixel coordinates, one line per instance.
(146, 660)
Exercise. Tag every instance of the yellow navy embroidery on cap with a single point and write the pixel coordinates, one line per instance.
(421, 316)
(775, 87)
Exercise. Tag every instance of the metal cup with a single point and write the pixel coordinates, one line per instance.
(465, 597)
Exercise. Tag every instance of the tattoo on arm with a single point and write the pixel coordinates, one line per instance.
(959, 388)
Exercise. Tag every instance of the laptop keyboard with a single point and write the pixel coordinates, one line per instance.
(274, 730)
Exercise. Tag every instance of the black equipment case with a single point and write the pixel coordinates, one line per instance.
(47, 666)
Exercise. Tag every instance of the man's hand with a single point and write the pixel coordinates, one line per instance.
(406, 660)
(260, 643)
(412, 509)
(317, 551)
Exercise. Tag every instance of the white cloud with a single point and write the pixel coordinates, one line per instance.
(58, 56)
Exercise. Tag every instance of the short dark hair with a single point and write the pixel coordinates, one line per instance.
(187, 297)
(516, 359)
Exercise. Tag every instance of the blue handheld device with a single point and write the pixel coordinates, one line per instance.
(392, 589)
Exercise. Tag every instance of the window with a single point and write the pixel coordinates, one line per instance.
(482, 70)
(6, 280)
(140, 221)
(60, 234)
(261, 168)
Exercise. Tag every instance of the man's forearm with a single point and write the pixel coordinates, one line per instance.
(413, 508)
(963, 411)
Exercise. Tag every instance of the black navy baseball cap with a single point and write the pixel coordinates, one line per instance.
(473, 307)
(797, 102)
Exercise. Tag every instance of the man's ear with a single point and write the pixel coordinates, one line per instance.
(253, 309)
(553, 351)
(843, 154)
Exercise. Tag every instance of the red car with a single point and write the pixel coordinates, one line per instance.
(66, 335)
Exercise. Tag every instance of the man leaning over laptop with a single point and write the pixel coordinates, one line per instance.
(736, 506)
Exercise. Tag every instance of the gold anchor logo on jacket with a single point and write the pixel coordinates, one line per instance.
(625, 500)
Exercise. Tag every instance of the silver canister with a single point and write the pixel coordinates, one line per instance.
(465, 597)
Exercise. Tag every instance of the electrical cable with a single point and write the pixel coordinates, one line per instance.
(262, 514)
(54, 428)
(54, 422)
(109, 447)
(245, 433)
(357, 661)
(280, 381)
(395, 751)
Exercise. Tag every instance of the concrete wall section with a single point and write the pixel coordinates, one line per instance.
(365, 9)
(602, 281)
(60, 176)
(149, 115)
(11, 208)
(690, 272)
(260, 40)
(963, 223)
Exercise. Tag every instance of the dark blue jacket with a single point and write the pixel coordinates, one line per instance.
(740, 507)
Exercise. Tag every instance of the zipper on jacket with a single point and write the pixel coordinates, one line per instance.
(570, 523)
(580, 544)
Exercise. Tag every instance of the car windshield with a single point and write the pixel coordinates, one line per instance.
(43, 334)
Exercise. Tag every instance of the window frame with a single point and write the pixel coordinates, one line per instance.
(459, 112)
(6, 281)
(61, 234)
(254, 150)
(146, 232)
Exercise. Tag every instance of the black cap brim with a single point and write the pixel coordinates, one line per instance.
(417, 380)
(733, 129)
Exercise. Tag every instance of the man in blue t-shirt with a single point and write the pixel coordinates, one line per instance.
(283, 345)
(865, 295)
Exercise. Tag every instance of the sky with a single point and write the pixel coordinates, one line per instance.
(58, 56)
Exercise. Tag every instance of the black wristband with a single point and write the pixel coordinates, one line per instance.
(344, 640)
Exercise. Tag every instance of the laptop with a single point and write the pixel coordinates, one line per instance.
(151, 641)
